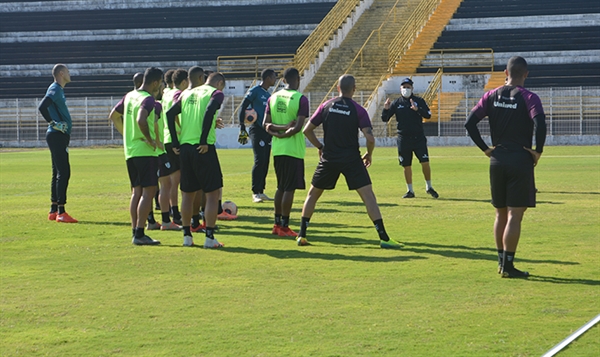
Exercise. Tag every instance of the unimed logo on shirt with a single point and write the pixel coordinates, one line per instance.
(505, 105)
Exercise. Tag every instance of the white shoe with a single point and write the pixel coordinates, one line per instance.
(153, 226)
(256, 198)
(188, 241)
(265, 197)
(212, 243)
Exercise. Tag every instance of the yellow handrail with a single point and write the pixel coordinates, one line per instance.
(433, 87)
(360, 52)
(460, 57)
(309, 49)
(253, 64)
(410, 31)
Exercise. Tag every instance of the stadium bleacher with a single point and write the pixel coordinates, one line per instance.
(561, 43)
(109, 45)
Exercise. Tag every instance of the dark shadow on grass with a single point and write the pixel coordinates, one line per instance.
(354, 203)
(471, 253)
(490, 201)
(105, 223)
(571, 193)
(556, 280)
(305, 253)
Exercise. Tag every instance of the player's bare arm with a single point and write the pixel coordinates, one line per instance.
(309, 132)
(142, 121)
(367, 157)
(117, 119)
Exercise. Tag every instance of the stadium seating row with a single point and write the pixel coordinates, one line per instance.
(560, 46)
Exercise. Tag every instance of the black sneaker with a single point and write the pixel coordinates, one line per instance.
(145, 240)
(409, 194)
(514, 273)
(177, 221)
(432, 192)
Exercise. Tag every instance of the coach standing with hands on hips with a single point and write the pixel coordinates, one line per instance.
(410, 111)
(54, 109)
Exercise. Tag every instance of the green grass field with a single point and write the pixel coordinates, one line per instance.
(84, 290)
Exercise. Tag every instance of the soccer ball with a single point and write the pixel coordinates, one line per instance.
(250, 117)
(230, 207)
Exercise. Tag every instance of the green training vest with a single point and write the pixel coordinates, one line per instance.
(193, 107)
(163, 127)
(284, 106)
(133, 139)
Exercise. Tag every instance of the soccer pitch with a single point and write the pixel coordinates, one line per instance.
(84, 290)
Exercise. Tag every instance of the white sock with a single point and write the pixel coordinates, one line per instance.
(428, 184)
(409, 185)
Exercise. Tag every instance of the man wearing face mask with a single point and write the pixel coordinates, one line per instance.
(410, 111)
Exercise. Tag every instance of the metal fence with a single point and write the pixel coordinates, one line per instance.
(569, 111)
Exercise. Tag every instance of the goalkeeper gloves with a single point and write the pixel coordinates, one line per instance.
(59, 126)
(243, 137)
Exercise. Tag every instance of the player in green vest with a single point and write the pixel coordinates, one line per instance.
(285, 114)
(169, 174)
(134, 118)
(200, 169)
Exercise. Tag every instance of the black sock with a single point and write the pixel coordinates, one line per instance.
(187, 231)
(210, 232)
(303, 225)
(500, 256)
(133, 231)
(196, 220)
(53, 208)
(285, 221)
(175, 212)
(277, 219)
(509, 258)
(151, 219)
(139, 232)
(381, 230)
(61, 209)
(220, 208)
(165, 217)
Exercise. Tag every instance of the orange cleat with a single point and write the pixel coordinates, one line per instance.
(200, 228)
(65, 218)
(287, 232)
(276, 229)
(52, 216)
(224, 216)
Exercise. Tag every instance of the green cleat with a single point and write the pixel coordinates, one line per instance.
(302, 241)
(391, 244)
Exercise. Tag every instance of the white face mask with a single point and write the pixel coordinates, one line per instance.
(406, 92)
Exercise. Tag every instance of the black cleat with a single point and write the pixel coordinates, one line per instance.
(145, 240)
(514, 273)
(177, 221)
(409, 194)
(432, 192)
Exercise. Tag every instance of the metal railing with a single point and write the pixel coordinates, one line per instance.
(410, 31)
(310, 48)
(569, 111)
(475, 58)
(254, 64)
(359, 57)
(434, 87)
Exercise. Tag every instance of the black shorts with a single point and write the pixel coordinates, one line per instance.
(408, 145)
(200, 171)
(327, 174)
(142, 171)
(290, 173)
(164, 166)
(173, 158)
(511, 179)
